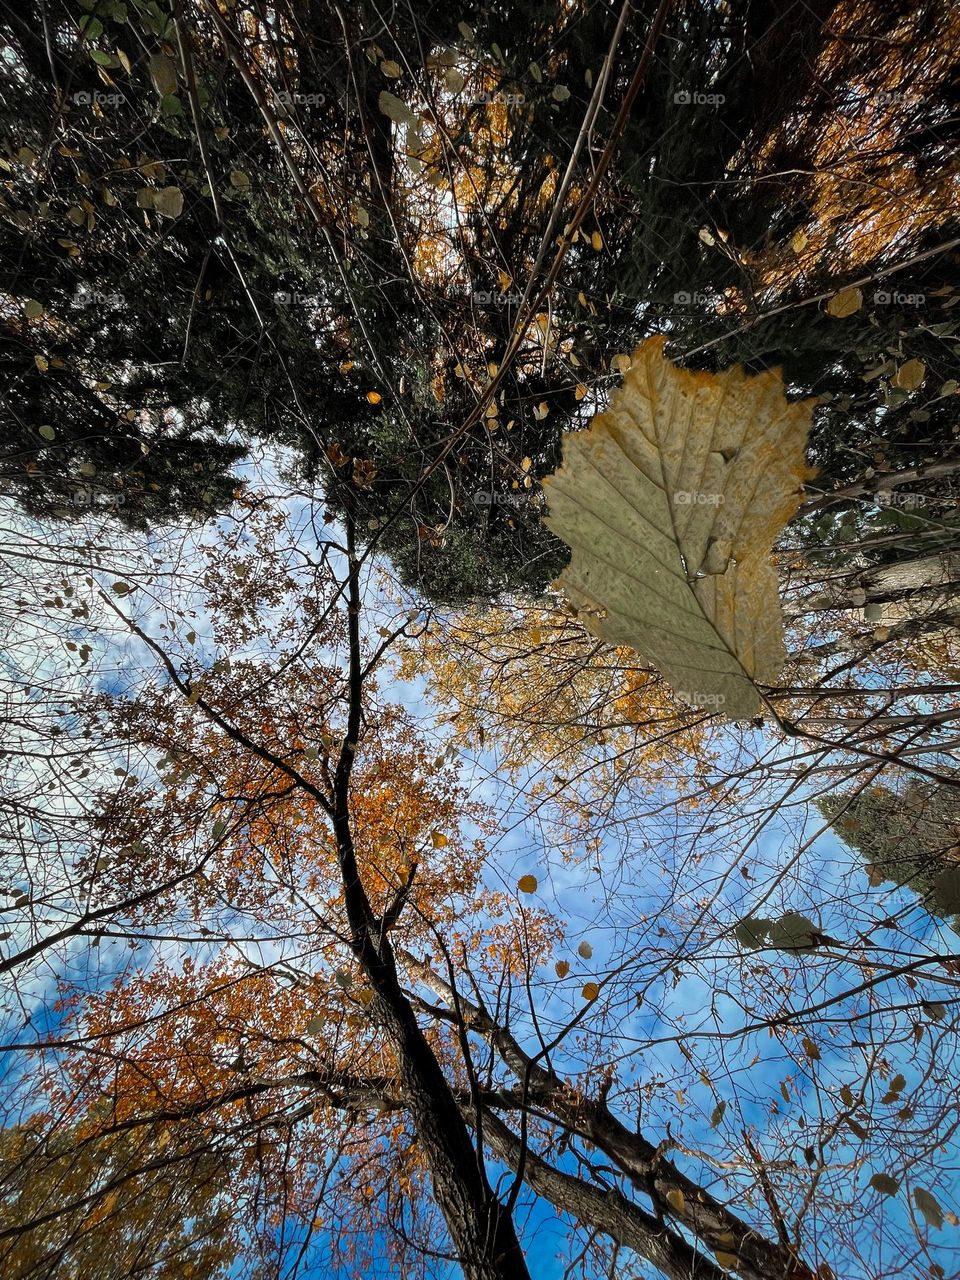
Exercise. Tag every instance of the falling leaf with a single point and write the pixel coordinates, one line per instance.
(374, 397)
(844, 303)
(727, 1260)
(580, 391)
(438, 839)
(585, 950)
(391, 69)
(239, 180)
(527, 884)
(671, 502)
(751, 932)
(561, 968)
(910, 375)
(621, 363)
(792, 932)
(541, 410)
(946, 892)
(395, 108)
(590, 991)
(163, 74)
(810, 1049)
(597, 241)
(168, 201)
(560, 94)
(717, 1114)
(316, 1025)
(47, 432)
(453, 80)
(885, 1183)
(929, 1207)
(32, 309)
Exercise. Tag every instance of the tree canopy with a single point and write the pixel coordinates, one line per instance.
(480, 563)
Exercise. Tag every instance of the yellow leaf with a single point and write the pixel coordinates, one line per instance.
(671, 502)
(590, 991)
(527, 884)
(561, 968)
(438, 839)
(675, 1200)
(374, 397)
(810, 1049)
(597, 241)
(582, 298)
(391, 69)
(726, 1260)
(844, 303)
(581, 391)
(620, 364)
(541, 410)
(910, 375)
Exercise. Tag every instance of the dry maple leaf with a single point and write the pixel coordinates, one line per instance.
(671, 502)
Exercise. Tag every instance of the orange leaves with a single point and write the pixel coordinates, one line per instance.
(533, 681)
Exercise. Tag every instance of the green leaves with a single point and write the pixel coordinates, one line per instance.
(791, 932)
(884, 1183)
(163, 74)
(929, 1207)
